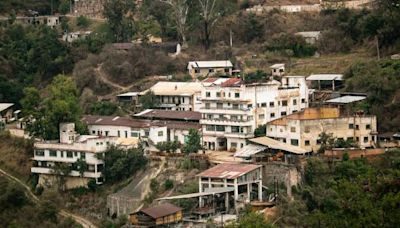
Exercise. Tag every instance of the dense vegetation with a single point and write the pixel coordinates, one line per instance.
(16, 210)
(350, 193)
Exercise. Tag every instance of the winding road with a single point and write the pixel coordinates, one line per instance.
(82, 221)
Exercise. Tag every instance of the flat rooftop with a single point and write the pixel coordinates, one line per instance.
(169, 114)
(228, 170)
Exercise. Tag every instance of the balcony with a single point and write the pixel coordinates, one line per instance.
(228, 134)
(47, 170)
(224, 110)
(227, 122)
(226, 100)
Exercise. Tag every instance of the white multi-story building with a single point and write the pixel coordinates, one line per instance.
(153, 131)
(70, 149)
(177, 96)
(303, 129)
(232, 110)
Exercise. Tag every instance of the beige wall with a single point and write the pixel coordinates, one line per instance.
(204, 72)
(49, 181)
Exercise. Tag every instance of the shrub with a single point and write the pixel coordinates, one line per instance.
(82, 22)
(168, 184)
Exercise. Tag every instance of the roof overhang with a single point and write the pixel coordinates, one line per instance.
(278, 145)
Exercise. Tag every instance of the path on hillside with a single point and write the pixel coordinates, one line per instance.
(103, 77)
(82, 221)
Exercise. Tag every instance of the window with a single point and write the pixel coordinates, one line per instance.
(234, 118)
(272, 115)
(226, 70)
(264, 105)
(220, 128)
(237, 95)
(235, 129)
(119, 134)
(210, 127)
(261, 116)
(62, 153)
(197, 71)
(366, 139)
(357, 127)
(233, 145)
(176, 138)
(69, 154)
(53, 153)
(307, 142)
(208, 94)
(318, 141)
(292, 129)
(107, 133)
(218, 94)
(93, 132)
(351, 126)
(283, 113)
(350, 139)
(210, 70)
(284, 140)
(271, 104)
(294, 102)
(368, 126)
(307, 129)
(303, 100)
(76, 154)
(39, 152)
(250, 106)
(357, 139)
(207, 105)
(294, 142)
(126, 134)
(135, 134)
(284, 103)
(235, 106)
(221, 116)
(83, 155)
(160, 133)
(219, 105)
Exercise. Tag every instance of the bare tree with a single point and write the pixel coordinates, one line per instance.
(210, 16)
(180, 9)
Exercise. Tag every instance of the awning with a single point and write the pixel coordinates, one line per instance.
(207, 192)
(325, 77)
(346, 99)
(278, 145)
(249, 150)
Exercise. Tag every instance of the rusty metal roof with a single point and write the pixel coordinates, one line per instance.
(161, 210)
(228, 170)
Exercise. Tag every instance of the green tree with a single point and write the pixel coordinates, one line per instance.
(149, 100)
(105, 108)
(61, 171)
(326, 141)
(82, 21)
(193, 142)
(260, 131)
(81, 166)
(253, 28)
(31, 102)
(59, 106)
(119, 17)
(251, 220)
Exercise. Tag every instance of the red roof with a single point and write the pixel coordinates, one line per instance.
(232, 82)
(161, 210)
(210, 80)
(228, 170)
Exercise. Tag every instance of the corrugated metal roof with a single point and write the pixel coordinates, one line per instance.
(249, 150)
(228, 170)
(325, 77)
(278, 145)
(4, 106)
(346, 99)
(161, 210)
(209, 64)
(169, 114)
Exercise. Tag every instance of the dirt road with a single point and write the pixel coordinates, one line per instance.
(82, 221)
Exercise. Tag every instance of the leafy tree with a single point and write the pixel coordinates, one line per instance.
(64, 6)
(254, 28)
(122, 164)
(326, 141)
(105, 108)
(168, 184)
(170, 146)
(193, 142)
(48, 211)
(119, 17)
(149, 100)
(257, 76)
(60, 105)
(251, 219)
(81, 166)
(61, 170)
(82, 21)
(260, 131)
(31, 101)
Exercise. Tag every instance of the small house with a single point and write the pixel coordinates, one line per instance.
(6, 112)
(278, 69)
(209, 68)
(163, 214)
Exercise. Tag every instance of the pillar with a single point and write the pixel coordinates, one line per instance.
(248, 192)
(260, 190)
(200, 190)
(226, 196)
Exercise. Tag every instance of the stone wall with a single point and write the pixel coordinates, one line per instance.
(284, 173)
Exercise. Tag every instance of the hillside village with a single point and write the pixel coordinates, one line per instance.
(199, 113)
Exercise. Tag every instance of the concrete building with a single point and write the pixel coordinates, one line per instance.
(302, 129)
(152, 131)
(6, 112)
(232, 110)
(278, 69)
(245, 180)
(177, 96)
(311, 37)
(209, 68)
(71, 148)
(73, 36)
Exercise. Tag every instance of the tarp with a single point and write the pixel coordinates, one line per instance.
(278, 145)
(249, 150)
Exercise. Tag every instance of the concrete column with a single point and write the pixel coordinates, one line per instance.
(249, 188)
(200, 190)
(236, 192)
(260, 190)
(209, 182)
(226, 196)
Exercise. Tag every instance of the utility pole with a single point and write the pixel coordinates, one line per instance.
(377, 47)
